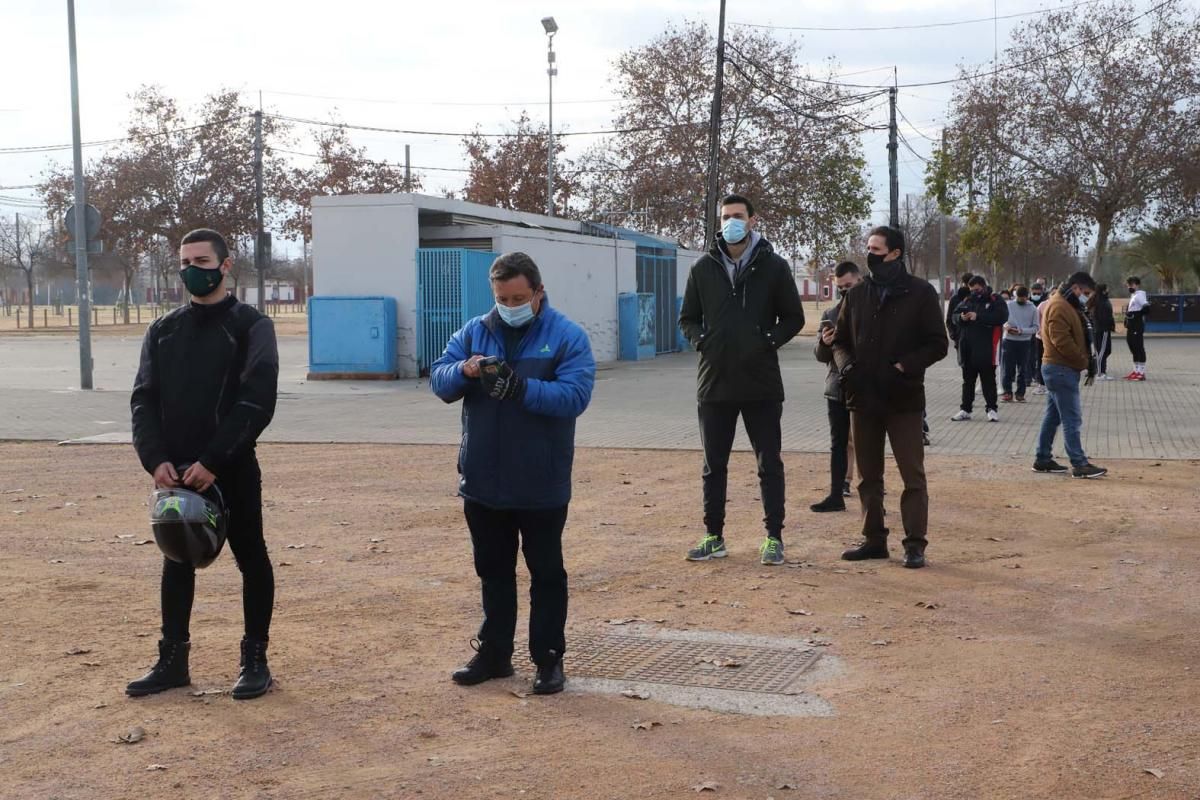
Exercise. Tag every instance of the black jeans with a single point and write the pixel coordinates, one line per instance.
(1016, 360)
(839, 443)
(242, 490)
(495, 535)
(1135, 337)
(987, 377)
(718, 424)
(1103, 351)
(1035, 361)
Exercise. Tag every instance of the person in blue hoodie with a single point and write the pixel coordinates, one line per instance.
(524, 373)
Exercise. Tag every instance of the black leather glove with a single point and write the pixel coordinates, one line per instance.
(501, 383)
(1091, 371)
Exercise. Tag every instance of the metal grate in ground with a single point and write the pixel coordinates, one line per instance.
(706, 664)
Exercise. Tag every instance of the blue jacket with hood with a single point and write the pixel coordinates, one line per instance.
(518, 455)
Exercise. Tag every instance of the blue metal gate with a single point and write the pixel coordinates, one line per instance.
(656, 276)
(452, 287)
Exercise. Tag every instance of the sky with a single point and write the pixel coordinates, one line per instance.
(445, 66)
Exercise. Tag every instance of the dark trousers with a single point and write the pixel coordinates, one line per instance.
(718, 424)
(1103, 351)
(1135, 337)
(904, 432)
(242, 490)
(1035, 360)
(495, 535)
(1016, 360)
(839, 444)
(986, 377)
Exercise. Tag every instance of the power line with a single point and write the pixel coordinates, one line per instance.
(921, 26)
(461, 134)
(914, 127)
(1010, 67)
(436, 102)
(47, 148)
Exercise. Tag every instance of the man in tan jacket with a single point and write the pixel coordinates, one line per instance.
(1066, 353)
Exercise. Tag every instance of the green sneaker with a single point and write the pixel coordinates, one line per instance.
(771, 552)
(710, 547)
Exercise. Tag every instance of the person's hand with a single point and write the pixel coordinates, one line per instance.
(827, 334)
(198, 477)
(969, 315)
(165, 476)
(899, 366)
(502, 383)
(470, 367)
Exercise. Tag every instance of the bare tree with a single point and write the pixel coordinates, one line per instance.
(1094, 116)
(22, 248)
(510, 172)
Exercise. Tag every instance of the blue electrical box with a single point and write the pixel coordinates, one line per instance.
(636, 325)
(352, 338)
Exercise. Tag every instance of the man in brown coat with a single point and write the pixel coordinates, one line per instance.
(1066, 353)
(888, 333)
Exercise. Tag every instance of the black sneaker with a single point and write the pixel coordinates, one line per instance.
(1089, 471)
(485, 665)
(913, 558)
(1049, 466)
(830, 503)
(549, 678)
(845, 488)
(865, 551)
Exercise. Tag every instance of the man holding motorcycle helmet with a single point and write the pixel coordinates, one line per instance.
(205, 390)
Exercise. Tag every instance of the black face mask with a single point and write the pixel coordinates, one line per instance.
(882, 270)
(200, 282)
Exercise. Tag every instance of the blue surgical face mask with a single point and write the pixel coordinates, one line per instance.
(516, 317)
(733, 230)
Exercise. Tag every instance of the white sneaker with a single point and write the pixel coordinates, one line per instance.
(961, 416)
(1040, 389)
(1105, 378)
(993, 416)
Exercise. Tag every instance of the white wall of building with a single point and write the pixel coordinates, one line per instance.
(366, 245)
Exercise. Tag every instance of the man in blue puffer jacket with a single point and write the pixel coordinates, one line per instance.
(524, 373)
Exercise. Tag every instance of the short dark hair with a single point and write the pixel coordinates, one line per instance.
(1136, 281)
(219, 246)
(977, 280)
(1039, 287)
(966, 278)
(845, 268)
(893, 237)
(513, 265)
(1022, 291)
(734, 199)
(1082, 279)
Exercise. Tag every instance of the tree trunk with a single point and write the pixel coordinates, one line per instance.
(1105, 230)
(29, 283)
(128, 290)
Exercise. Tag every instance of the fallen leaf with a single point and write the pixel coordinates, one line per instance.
(1158, 773)
(57, 561)
(928, 605)
(994, 539)
(607, 524)
(206, 692)
(967, 638)
(856, 616)
(156, 768)
(787, 786)
(133, 735)
(19, 512)
(285, 563)
(302, 546)
(707, 786)
(100, 705)
(1129, 561)
(141, 542)
(646, 726)
(881, 642)
(625, 621)
(376, 540)
(69, 504)
(125, 535)
(91, 663)
(516, 693)
(342, 524)
(799, 612)
(635, 695)
(79, 651)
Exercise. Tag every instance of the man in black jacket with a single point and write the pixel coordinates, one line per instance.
(964, 291)
(846, 276)
(1105, 325)
(890, 330)
(205, 390)
(740, 306)
(978, 319)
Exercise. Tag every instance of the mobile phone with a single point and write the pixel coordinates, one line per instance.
(826, 323)
(489, 364)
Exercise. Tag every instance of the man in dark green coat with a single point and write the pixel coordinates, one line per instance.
(740, 306)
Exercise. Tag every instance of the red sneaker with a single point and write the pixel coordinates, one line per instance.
(1141, 376)
(1133, 376)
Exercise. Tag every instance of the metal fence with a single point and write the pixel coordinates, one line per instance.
(656, 276)
(452, 287)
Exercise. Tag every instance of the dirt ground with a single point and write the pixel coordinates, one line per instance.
(1049, 651)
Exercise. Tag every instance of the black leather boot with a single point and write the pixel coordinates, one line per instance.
(550, 678)
(255, 676)
(914, 557)
(169, 672)
(866, 550)
(486, 664)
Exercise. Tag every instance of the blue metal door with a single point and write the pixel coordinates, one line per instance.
(452, 288)
(656, 276)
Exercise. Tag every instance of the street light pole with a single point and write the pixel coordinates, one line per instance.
(81, 239)
(551, 28)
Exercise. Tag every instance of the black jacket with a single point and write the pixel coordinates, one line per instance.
(1104, 321)
(962, 294)
(738, 325)
(824, 354)
(206, 386)
(979, 338)
(878, 329)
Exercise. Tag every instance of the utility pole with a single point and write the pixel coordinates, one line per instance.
(714, 138)
(260, 261)
(893, 163)
(551, 28)
(407, 169)
(81, 239)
